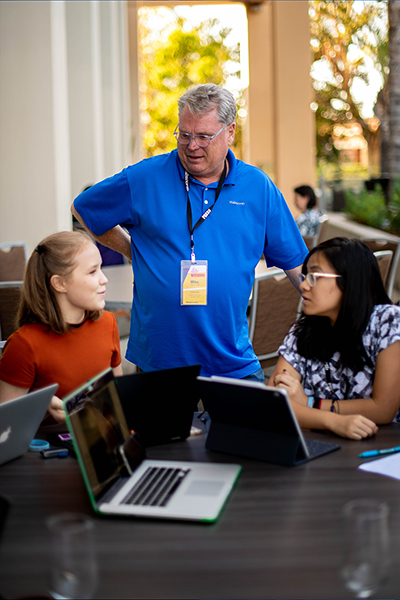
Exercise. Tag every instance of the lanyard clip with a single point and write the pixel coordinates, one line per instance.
(192, 255)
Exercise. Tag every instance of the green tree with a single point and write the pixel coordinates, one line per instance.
(394, 90)
(180, 57)
(341, 38)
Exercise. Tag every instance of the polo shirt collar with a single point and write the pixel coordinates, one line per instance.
(230, 178)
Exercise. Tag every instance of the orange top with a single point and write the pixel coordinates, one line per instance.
(33, 357)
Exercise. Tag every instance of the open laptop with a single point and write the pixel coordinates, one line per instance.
(159, 405)
(20, 419)
(253, 420)
(119, 478)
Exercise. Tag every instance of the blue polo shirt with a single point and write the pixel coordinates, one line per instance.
(250, 218)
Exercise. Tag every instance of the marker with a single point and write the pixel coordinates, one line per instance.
(379, 452)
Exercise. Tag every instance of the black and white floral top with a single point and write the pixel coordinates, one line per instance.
(383, 330)
(308, 222)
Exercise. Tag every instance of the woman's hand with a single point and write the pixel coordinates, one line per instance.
(56, 409)
(355, 427)
(292, 385)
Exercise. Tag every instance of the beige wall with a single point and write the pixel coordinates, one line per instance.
(66, 119)
(282, 125)
(27, 176)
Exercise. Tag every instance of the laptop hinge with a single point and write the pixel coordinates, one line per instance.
(124, 458)
(109, 494)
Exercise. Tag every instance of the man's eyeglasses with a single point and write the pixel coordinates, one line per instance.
(201, 140)
(312, 278)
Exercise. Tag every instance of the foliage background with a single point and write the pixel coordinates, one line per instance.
(371, 208)
(181, 56)
(347, 40)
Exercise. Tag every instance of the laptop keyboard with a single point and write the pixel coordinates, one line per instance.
(318, 447)
(156, 486)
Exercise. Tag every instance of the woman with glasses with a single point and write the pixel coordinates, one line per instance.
(340, 363)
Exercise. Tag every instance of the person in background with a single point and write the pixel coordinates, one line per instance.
(309, 218)
(340, 361)
(198, 222)
(63, 334)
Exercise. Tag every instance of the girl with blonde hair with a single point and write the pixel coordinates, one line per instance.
(64, 336)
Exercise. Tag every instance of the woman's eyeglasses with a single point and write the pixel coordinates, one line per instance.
(312, 278)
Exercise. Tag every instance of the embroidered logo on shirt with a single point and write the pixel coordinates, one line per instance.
(238, 203)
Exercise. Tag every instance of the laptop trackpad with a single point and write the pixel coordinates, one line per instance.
(204, 488)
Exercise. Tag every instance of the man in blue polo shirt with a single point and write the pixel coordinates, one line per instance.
(198, 221)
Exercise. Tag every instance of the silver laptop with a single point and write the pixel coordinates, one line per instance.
(120, 479)
(20, 419)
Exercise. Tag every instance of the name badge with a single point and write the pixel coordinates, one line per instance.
(194, 282)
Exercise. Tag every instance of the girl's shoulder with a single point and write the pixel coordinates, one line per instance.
(31, 330)
(38, 330)
(106, 322)
(106, 318)
(106, 314)
(385, 312)
(27, 338)
(384, 318)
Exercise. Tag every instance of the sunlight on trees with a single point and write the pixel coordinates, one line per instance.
(347, 40)
(174, 56)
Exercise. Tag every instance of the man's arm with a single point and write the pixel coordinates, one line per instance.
(116, 238)
(293, 275)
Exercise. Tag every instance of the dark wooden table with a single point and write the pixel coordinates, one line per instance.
(280, 534)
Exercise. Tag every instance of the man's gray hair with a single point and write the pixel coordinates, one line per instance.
(205, 98)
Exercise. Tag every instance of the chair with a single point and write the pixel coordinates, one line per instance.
(274, 308)
(13, 258)
(314, 240)
(10, 293)
(384, 258)
(383, 244)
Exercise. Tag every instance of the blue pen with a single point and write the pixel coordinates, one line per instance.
(379, 452)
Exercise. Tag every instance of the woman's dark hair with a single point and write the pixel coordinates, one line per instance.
(55, 255)
(362, 286)
(307, 192)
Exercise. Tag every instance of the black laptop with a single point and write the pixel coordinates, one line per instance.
(252, 420)
(159, 405)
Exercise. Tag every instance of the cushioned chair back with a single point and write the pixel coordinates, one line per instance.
(384, 258)
(380, 245)
(274, 312)
(12, 261)
(9, 301)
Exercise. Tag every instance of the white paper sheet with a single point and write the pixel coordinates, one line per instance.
(389, 466)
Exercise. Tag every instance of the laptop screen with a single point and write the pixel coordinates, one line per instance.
(99, 428)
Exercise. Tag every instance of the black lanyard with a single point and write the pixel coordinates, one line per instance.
(205, 214)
